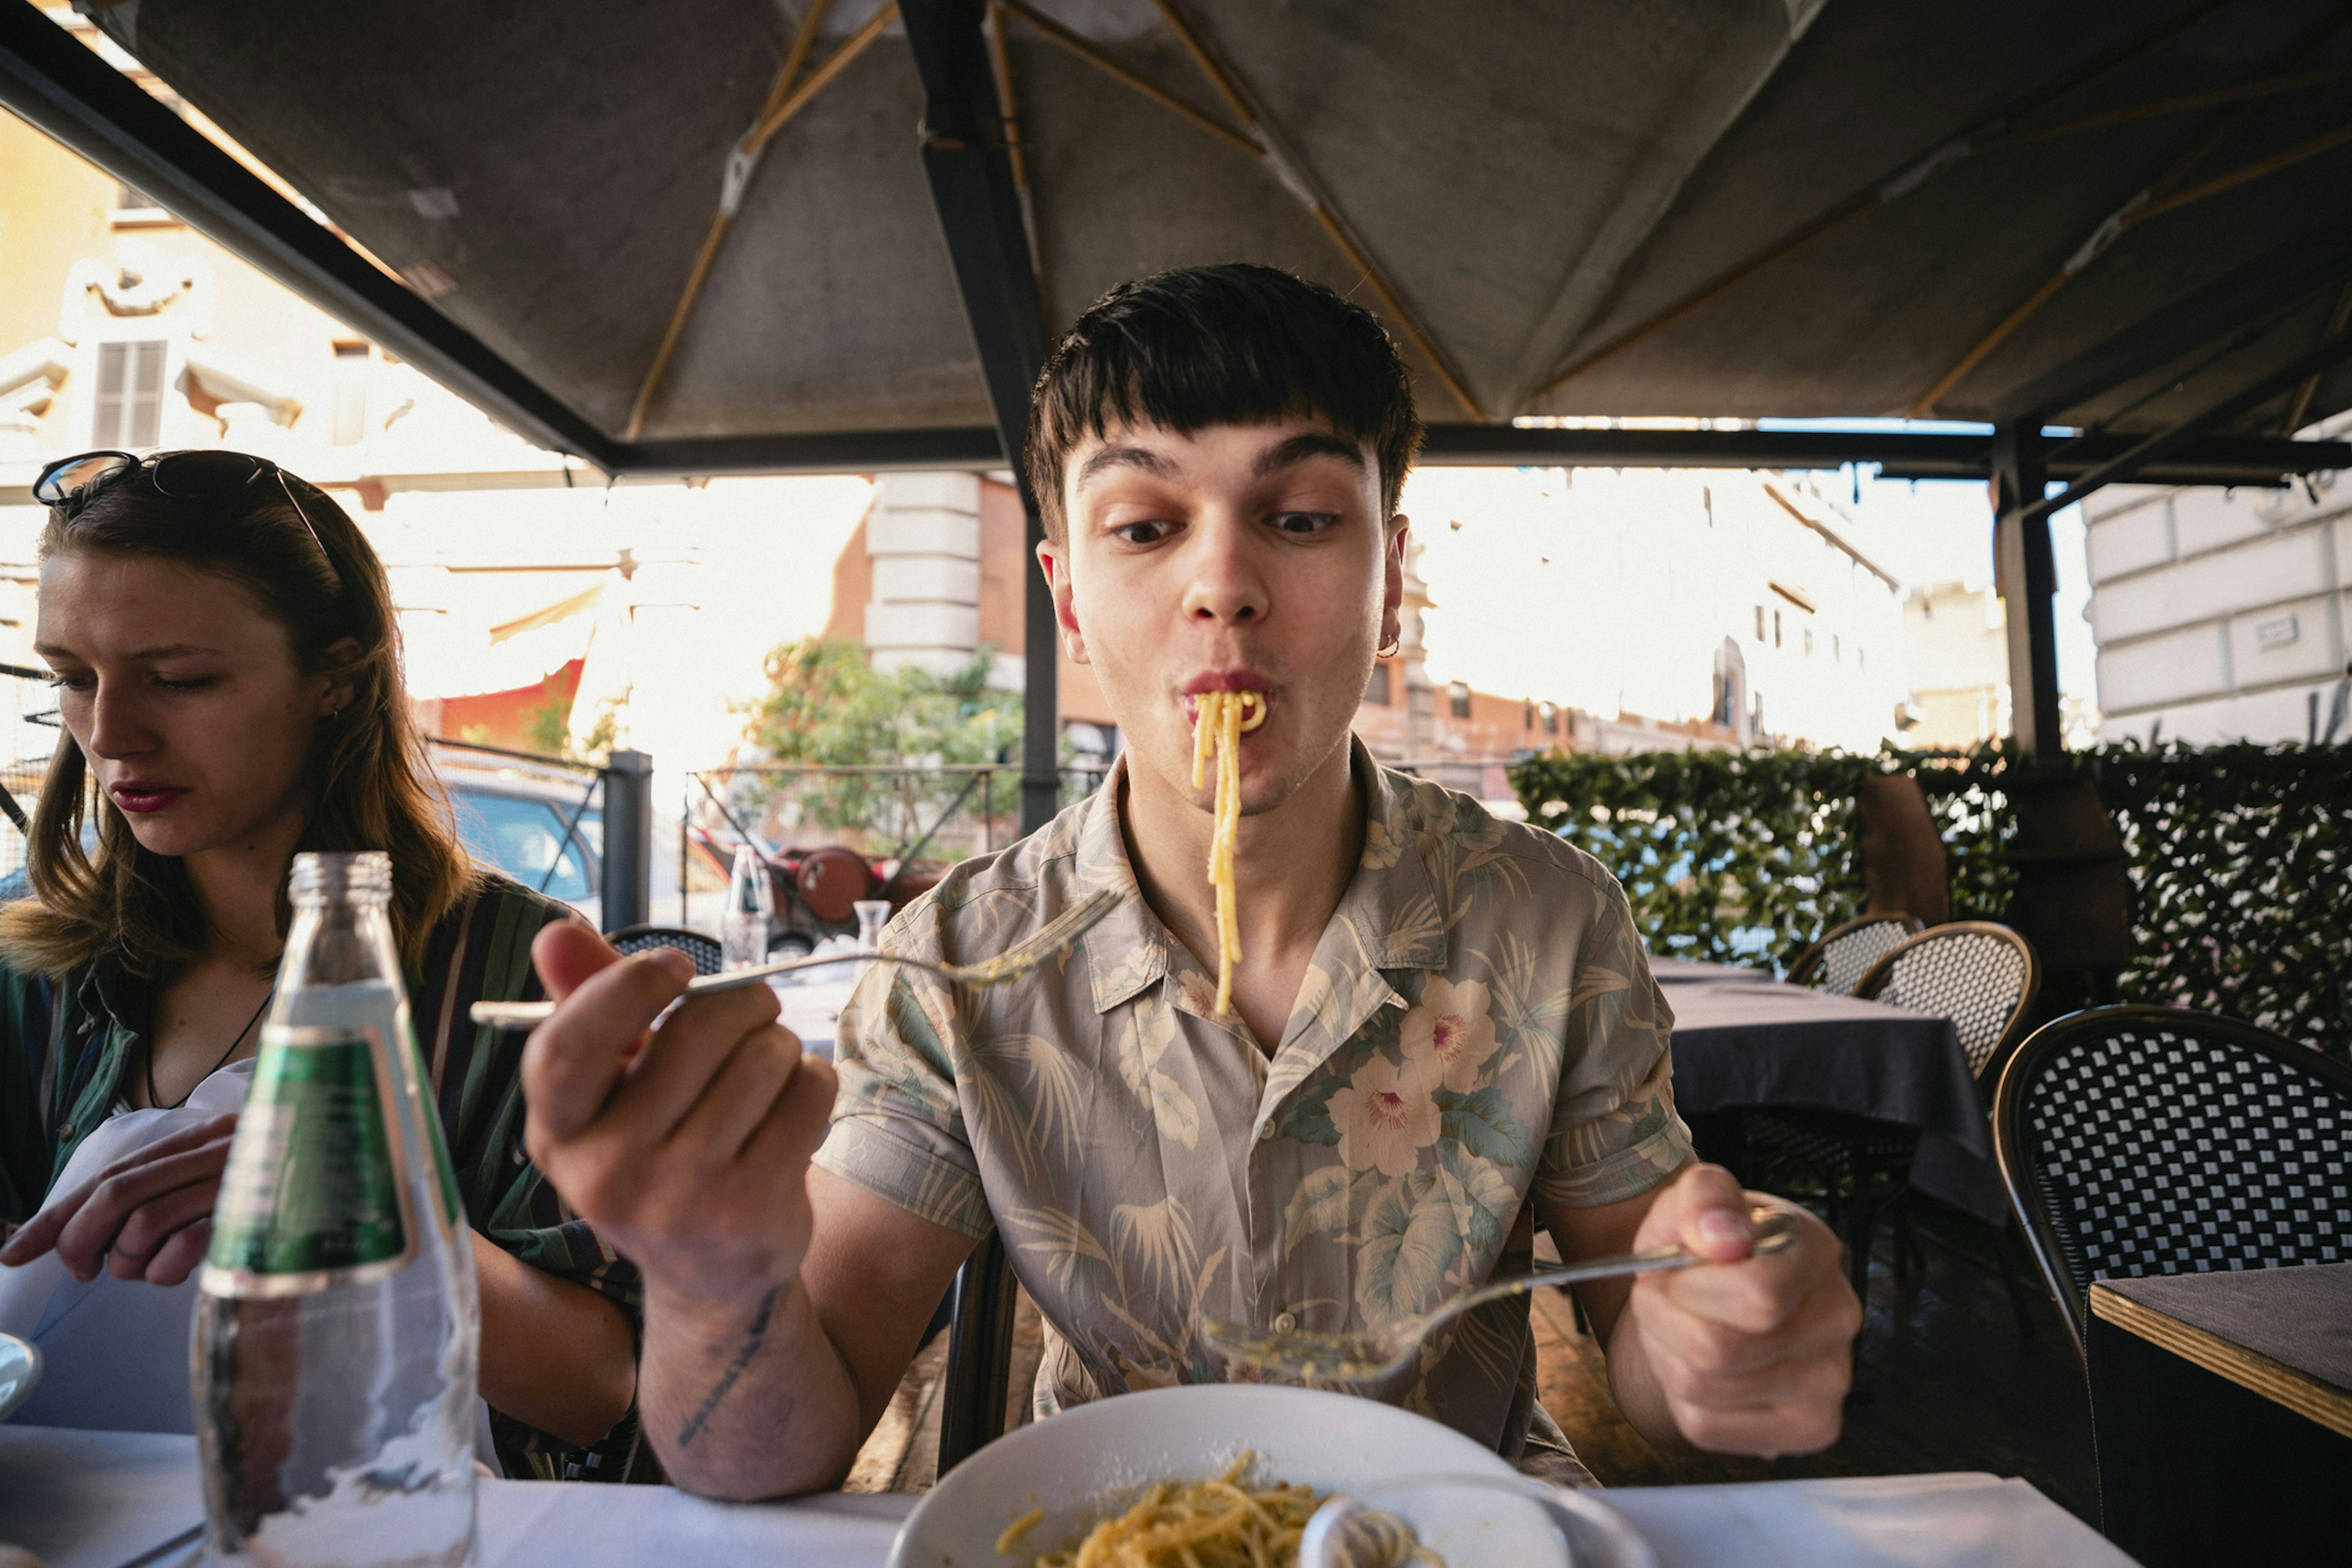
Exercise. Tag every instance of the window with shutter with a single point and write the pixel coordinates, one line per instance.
(130, 409)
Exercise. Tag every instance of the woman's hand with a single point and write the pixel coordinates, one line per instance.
(148, 1215)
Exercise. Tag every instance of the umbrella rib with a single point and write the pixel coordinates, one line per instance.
(1085, 50)
(1008, 104)
(2128, 216)
(783, 103)
(2336, 321)
(1287, 172)
(2139, 209)
(1878, 194)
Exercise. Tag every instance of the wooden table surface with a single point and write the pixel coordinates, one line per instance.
(2284, 1333)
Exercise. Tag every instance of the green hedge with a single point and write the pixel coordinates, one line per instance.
(2238, 858)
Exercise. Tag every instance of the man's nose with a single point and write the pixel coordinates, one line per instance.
(1228, 585)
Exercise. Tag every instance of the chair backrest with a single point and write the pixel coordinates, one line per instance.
(1846, 952)
(1981, 976)
(2139, 1141)
(704, 950)
(979, 1354)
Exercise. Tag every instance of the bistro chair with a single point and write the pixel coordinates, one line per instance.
(979, 1354)
(704, 950)
(2138, 1140)
(1846, 952)
(1984, 978)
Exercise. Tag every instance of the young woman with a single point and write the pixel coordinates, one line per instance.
(228, 667)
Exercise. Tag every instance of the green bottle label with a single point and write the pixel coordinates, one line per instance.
(314, 1193)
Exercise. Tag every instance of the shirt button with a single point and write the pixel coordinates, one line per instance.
(67, 1131)
(1284, 1323)
(1265, 1133)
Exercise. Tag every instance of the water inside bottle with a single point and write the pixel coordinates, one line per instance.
(336, 1422)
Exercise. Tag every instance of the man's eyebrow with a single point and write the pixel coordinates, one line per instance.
(1307, 443)
(1126, 457)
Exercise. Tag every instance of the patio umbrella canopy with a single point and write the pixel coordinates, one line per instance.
(2113, 214)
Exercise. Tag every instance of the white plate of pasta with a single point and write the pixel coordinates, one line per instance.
(1034, 1498)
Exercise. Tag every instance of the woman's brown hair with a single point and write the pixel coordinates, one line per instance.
(373, 784)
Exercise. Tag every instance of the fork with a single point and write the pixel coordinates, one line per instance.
(1377, 1353)
(1051, 940)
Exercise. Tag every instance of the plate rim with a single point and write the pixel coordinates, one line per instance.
(965, 1479)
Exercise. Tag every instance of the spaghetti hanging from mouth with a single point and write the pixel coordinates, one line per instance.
(1220, 720)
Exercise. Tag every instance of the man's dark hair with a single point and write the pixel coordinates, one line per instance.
(1233, 344)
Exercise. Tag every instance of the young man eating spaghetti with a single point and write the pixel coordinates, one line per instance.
(1441, 1024)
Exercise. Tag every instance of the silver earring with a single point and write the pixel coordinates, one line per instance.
(1390, 648)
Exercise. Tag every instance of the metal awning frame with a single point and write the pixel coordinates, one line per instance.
(58, 85)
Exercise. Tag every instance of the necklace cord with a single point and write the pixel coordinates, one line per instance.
(155, 1097)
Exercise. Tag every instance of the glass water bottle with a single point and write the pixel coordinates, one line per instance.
(750, 906)
(337, 1328)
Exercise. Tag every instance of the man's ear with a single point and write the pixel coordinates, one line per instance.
(1392, 584)
(1054, 560)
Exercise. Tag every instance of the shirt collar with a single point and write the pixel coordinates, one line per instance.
(1390, 899)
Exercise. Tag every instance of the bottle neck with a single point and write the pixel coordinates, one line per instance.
(339, 941)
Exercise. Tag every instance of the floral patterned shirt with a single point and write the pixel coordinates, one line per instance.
(1478, 1030)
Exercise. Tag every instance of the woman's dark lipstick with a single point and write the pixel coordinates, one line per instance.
(138, 796)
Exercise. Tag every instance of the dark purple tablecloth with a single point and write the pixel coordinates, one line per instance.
(1738, 1045)
(1680, 972)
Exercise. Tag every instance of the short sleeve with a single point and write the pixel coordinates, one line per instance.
(1614, 1133)
(898, 1123)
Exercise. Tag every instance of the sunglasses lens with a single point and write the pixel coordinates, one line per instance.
(205, 475)
(59, 484)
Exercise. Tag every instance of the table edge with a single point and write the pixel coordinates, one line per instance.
(2275, 1381)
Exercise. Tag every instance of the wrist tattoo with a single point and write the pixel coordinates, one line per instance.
(752, 1335)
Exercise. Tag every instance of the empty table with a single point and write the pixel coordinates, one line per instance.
(1680, 972)
(1738, 1045)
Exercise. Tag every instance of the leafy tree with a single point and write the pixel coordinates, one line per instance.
(827, 706)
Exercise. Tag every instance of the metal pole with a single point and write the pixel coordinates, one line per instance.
(684, 805)
(979, 207)
(628, 838)
(2027, 571)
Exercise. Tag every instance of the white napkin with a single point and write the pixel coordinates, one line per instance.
(116, 1351)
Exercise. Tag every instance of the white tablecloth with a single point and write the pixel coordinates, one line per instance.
(96, 1499)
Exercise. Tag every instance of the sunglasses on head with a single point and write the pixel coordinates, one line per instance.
(70, 484)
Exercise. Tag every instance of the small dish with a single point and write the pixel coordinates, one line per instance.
(20, 1373)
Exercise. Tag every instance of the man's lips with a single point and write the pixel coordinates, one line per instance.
(140, 796)
(1193, 691)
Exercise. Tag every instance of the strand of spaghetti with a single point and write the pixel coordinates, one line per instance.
(1229, 940)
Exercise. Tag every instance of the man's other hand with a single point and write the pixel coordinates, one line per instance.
(687, 1147)
(1753, 1355)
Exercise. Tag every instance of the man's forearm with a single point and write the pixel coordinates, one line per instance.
(747, 1401)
